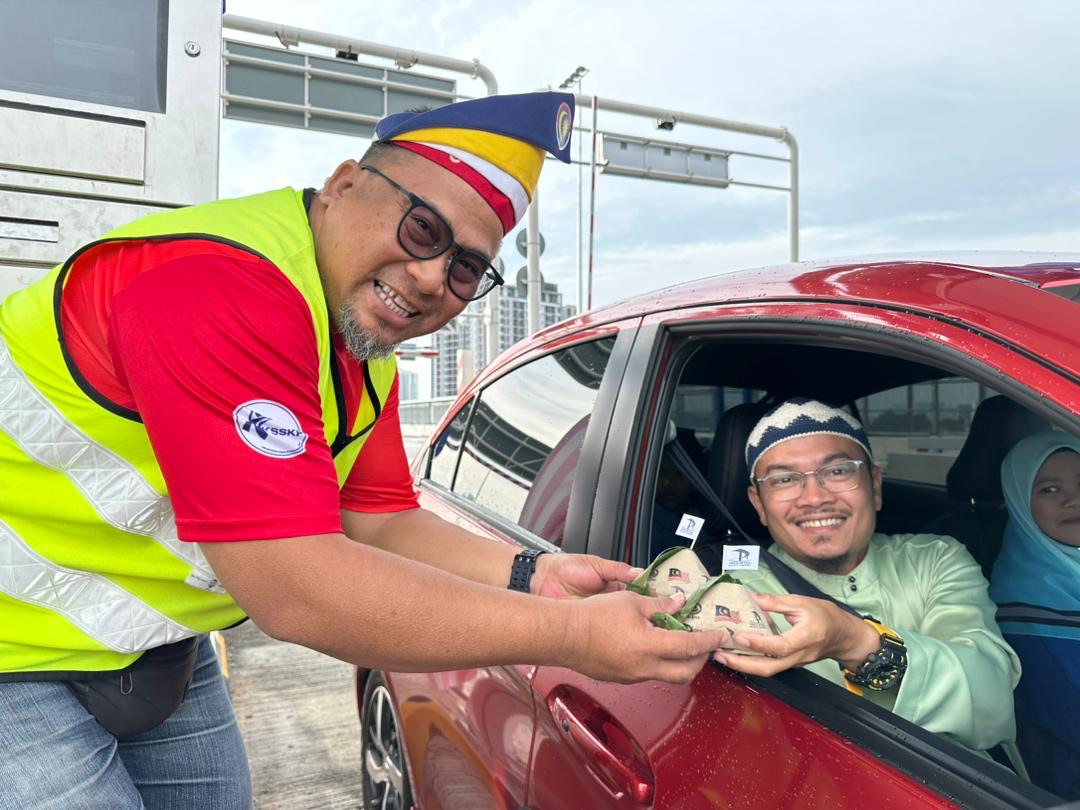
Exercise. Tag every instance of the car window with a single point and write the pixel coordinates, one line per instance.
(696, 462)
(444, 453)
(523, 441)
(697, 408)
(916, 431)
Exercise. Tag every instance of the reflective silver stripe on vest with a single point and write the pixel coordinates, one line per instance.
(111, 485)
(101, 609)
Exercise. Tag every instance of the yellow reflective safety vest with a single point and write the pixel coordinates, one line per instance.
(91, 570)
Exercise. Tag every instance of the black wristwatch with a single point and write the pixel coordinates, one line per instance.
(521, 572)
(882, 669)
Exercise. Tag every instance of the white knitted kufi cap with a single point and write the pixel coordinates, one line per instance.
(801, 417)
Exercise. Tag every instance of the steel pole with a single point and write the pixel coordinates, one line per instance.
(580, 213)
(491, 323)
(793, 196)
(592, 204)
(532, 253)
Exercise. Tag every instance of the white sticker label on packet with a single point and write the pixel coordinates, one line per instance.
(741, 558)
(690, 526)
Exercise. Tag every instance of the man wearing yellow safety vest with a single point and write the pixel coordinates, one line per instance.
(198, 423)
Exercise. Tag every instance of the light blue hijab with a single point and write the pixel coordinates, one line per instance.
(1033, 569)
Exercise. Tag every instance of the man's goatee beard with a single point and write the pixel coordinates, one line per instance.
(361, 343)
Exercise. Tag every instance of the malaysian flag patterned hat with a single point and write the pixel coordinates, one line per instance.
(496, 144)
(801, 417)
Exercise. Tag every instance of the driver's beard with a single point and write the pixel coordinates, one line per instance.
(362, 344)
(835, 565)
(841, 564)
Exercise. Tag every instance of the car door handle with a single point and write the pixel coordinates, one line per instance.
(610, 753)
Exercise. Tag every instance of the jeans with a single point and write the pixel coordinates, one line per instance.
(53, 753)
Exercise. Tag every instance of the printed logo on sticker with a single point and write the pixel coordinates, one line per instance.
(741, 558)
(269, 428)
(564, 123)
(690, 527)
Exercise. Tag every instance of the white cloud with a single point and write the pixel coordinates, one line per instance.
(922, 125)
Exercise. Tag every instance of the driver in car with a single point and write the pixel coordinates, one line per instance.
(918, 636)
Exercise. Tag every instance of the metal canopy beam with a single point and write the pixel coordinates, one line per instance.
(271, 85)
(667, 119)
(404, 58)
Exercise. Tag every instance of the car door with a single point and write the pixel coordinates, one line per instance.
(507, 465)
(789, 741)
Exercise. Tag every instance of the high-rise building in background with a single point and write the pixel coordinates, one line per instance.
(409, 382)
(466, 332)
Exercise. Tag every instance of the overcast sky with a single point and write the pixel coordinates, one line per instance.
(921, 125)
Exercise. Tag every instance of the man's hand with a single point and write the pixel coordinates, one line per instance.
(819, 629)
(306, 589)
(562, 576)
(610, 637)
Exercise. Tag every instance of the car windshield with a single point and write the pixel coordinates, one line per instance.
(1070, 292)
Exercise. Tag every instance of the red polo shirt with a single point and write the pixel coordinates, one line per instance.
(180, 334)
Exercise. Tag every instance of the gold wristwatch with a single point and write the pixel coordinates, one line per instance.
(884, 668)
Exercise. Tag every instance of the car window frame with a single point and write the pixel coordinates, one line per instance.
(588, 468)
(662, 358)
(661, 352)
(429, 455)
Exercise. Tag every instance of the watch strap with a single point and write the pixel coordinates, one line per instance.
(882, 669)
(523, 568)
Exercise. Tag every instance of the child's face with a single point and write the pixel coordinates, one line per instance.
(1055, 497)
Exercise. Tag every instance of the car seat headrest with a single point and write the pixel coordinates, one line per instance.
(997, 425)
(727, 462)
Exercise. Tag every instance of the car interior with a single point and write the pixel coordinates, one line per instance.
(938, 438)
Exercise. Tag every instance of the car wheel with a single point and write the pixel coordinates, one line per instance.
(385, 777)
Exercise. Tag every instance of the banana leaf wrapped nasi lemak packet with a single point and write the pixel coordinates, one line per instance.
(720, 603)
(675, 570)
(726, 604)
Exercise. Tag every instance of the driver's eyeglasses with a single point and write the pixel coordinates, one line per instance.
(787, 485)
(424, 234)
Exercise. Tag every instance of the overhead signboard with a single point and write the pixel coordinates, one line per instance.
(631, 156)
(290, 88)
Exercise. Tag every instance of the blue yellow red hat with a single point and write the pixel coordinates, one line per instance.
(496, 144)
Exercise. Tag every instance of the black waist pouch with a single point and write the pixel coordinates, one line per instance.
(141, 696)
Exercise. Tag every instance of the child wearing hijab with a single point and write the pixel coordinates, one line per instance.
(1036, 585)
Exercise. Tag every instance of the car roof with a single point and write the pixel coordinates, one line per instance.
(990, 290)
(929, 283)
(1023, 298)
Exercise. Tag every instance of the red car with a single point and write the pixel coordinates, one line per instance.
(560, 444)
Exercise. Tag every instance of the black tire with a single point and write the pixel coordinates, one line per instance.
(384, 772)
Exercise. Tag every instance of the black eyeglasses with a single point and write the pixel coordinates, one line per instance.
(424, 234)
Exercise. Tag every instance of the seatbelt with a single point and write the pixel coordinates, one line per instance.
(1024, 613)
(791, 579)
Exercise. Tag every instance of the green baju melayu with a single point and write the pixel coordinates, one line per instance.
(927, 587)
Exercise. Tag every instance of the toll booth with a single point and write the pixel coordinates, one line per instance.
(109, 110)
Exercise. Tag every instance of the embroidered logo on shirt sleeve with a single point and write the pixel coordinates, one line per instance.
(269, 428)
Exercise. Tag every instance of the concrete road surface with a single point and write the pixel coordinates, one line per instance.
(297, 712)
